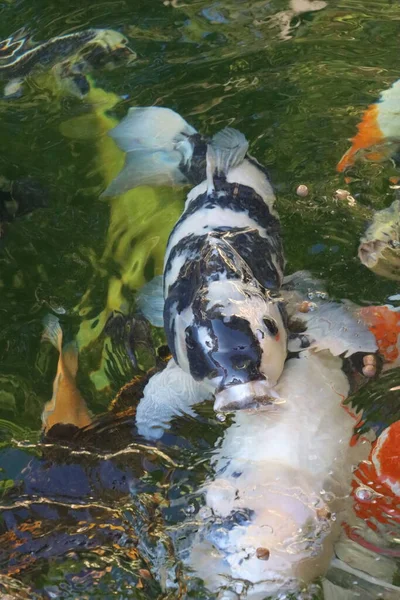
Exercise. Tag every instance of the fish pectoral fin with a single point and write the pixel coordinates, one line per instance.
(168, 394)
(150, 301)
(144, 167)
(157, 142)
(335, 327)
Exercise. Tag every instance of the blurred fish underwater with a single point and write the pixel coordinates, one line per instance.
(68, 57)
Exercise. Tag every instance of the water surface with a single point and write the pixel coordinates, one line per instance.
(296, 83)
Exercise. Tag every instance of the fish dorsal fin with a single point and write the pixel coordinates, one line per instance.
(230, 147)
(226, 151)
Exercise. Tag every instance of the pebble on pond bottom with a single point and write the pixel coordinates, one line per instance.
(302, 191)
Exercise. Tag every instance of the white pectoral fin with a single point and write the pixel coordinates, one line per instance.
(168, 394)
(150, 301)
(150, 128)
(156, 141)
(303, 282)
(335, 327)
(146, 167)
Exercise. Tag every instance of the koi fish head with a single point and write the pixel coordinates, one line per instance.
(225, 329)
(237, 340)
(107, 48)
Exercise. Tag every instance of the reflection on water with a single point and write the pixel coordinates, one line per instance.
(296, 76)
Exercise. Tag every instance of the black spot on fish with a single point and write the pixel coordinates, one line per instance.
(224, 468)
(235, 197)
(271, 325)
(235, 354)
(236, 474)
(240, 517)
(195, 171)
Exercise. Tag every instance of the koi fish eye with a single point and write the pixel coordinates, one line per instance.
(271, 325)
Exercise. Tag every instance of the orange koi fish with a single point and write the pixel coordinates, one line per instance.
(376, 482)
(376, 493)
(66, 405)
(384, 323)
(379, 131)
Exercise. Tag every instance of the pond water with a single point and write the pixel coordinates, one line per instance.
(295, 77)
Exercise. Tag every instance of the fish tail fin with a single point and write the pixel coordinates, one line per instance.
(347, 160)
(150, 301)
(52, 331)
(227, 150)
(369, 134)
(157, 142)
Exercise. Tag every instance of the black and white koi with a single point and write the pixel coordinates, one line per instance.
(223, 315)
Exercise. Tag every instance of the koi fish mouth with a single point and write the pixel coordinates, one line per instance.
(249, 395)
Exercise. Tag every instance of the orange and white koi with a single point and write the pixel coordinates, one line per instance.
(376, 482)
(378, 134)
(384, 323)
(66, 405)
(376, 493)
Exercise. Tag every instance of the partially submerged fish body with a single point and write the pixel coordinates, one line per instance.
(282, 477)
(384, 323)
(379, 248)
(68, 56)
(367, 553)
(280, 497)
(375, 523)
(66, 406)
(283, 473)
(378, 136)
(223, 316)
